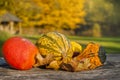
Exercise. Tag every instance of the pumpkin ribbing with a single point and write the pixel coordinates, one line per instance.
(55, 44)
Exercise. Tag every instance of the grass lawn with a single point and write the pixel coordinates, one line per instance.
(111, 44)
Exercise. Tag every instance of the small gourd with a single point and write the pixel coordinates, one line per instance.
(53, 48)
(91, 57)
(76, 48)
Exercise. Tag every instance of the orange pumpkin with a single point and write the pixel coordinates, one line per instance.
(19, 53)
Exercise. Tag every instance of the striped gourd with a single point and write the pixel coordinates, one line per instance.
(54, 43)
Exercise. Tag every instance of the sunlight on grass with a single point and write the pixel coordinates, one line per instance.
(111, 44)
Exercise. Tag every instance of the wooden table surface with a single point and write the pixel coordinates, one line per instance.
(110, 71)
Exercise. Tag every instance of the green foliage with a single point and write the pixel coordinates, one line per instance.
(99, 10)
(100, 13)
(116, 16)
(3, 36)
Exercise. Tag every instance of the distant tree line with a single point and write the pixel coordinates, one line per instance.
(82, 17)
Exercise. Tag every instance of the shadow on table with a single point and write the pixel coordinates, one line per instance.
(107, 65)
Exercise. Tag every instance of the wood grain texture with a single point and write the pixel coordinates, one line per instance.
(110, 71)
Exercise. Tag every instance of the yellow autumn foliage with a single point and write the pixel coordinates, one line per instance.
(61, 13)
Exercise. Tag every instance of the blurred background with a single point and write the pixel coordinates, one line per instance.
(83, 21)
